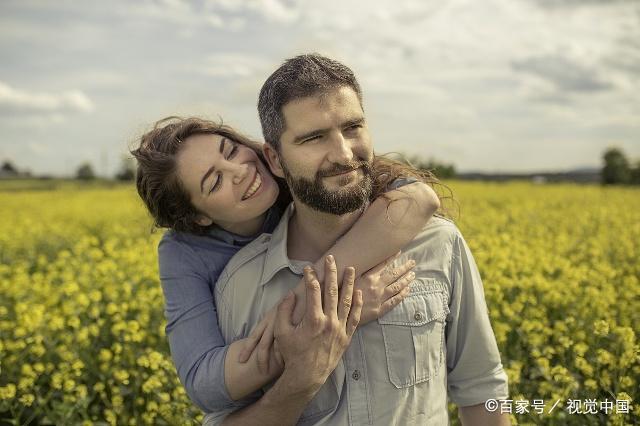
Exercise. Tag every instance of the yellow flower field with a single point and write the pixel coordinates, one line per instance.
(82, 326)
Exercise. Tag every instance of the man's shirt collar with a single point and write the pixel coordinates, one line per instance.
(276, 257)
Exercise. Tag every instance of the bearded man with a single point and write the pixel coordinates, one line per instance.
(399, 370)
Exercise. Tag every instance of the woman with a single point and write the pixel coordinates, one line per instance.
(210, 186)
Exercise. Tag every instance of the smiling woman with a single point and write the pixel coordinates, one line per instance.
(227, 183)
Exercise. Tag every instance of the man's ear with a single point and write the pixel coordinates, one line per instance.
(273, 159)
(202, 220)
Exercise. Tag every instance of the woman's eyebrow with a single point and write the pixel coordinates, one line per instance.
(212, 168)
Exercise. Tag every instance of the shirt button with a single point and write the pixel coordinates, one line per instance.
(418, 316)
(356, 375)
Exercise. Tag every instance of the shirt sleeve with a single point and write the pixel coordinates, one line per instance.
(197, 347)
(475, 371)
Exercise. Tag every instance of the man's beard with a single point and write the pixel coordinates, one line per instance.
(337, 202)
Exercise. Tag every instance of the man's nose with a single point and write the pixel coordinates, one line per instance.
(341, 152)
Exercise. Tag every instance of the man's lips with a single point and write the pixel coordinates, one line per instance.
(339, 173)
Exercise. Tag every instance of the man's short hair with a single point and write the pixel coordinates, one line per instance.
(299, 77)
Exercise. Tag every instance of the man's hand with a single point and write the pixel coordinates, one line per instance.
(311, 350)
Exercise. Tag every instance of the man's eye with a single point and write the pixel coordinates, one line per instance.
(311, 139)
(217, 184)
(354, 127)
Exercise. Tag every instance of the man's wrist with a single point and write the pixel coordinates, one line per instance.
(293, 385)
(288, 396)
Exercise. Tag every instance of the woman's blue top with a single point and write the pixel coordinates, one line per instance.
(189, 268)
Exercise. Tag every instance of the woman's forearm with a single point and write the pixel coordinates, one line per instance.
(390, 223)
(394, 218)
(242, 379)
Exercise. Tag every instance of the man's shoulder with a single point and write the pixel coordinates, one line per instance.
(438, 229)
(251, 254)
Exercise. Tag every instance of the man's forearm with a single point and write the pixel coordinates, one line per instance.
(277, 407)
(477, 415)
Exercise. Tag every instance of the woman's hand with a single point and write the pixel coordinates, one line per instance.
(261, 341)
(383, 287)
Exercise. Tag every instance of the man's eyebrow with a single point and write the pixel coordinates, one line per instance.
(212, 168)
(353, 121)
(310, 134)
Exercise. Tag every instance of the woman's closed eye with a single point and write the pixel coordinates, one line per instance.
(217, 183)
(232, 153)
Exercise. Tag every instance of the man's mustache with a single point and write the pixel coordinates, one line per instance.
(337, 169)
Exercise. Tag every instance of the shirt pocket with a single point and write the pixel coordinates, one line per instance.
(413, 333)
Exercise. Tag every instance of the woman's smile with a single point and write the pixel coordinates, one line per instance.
(256, 184)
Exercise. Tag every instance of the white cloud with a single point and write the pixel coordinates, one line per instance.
(232, 65)
(275, 11)
(38, 148)
(21, 101)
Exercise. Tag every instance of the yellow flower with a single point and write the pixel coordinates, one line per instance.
(27, 399)
(105, 355)
(8, 391)
(601, 328)
(121, 376)
(69, 385)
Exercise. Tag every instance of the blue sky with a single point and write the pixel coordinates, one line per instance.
(491, 85)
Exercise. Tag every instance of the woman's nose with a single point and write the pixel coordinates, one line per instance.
(240, 172)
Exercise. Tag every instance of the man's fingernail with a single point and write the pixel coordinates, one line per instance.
(329, 258)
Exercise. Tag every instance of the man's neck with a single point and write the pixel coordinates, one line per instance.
(312, 233)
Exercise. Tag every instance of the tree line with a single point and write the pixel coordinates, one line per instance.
(618, 170)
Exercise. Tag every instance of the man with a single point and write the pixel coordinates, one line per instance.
(398, 370)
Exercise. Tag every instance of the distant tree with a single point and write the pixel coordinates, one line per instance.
(616, 167)
(635, 174)
(85, 172)
(8, 168)
(127, 170)
(441, 170)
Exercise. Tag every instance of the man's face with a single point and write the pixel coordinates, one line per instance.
(326, 152)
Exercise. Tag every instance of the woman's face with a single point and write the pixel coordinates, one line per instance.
(227, 183)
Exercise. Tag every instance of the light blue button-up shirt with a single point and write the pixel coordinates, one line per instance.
(402, 369)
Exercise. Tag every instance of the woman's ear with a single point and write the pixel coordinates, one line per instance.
(273, 159)
(202, 220)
